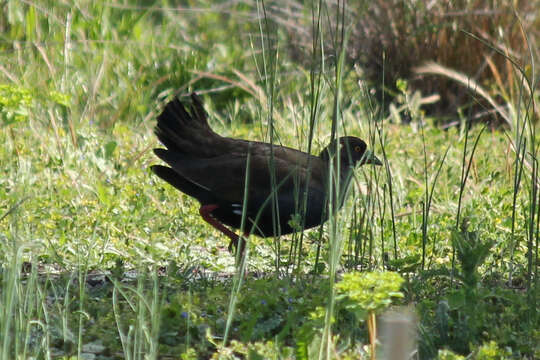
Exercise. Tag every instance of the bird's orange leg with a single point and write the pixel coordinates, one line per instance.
(206, 214)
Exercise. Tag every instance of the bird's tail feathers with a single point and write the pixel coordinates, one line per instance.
(180, 130)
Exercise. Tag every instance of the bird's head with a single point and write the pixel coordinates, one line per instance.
(352, 151)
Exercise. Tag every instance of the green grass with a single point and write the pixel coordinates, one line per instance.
(77, 199)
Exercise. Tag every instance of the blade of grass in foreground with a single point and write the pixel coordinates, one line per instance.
(465, 168)
(335, 222)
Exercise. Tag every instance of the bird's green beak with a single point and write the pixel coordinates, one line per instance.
(370, 158)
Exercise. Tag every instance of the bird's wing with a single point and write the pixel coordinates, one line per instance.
(225, 175)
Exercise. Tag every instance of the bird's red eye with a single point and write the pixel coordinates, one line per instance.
(357, 149)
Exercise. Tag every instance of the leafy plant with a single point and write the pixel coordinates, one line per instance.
(14, 103)
(445, 354)
(471, 253)
(491, 351)
(366, 294)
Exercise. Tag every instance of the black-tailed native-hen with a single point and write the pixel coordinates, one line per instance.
(281, 182)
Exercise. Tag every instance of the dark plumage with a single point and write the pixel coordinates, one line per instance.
(212, 169)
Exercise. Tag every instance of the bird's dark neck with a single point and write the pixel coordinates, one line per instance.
(339, 188)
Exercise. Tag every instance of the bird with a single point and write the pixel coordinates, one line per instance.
(282, 183)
